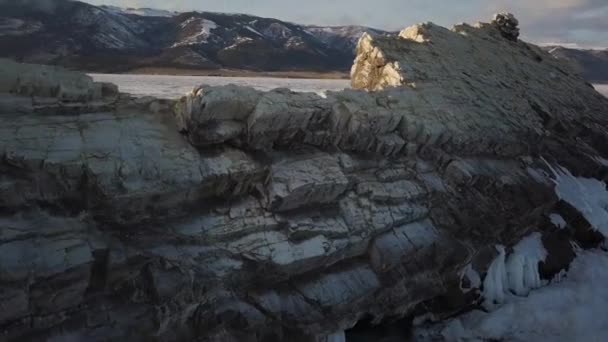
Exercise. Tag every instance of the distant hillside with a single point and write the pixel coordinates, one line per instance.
(593, 64)
(106, 38)
(112, 39)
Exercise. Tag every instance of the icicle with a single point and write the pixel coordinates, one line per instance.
(522, 265)
(588, 195)
(517, 273)
(495, 283)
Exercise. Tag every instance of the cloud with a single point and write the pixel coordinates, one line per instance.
(581, 21)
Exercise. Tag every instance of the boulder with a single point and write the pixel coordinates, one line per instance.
(213, 115)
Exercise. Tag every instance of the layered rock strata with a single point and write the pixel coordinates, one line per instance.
(239, 215)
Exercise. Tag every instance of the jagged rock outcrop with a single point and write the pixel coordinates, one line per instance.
(507, 24)
(239, 215)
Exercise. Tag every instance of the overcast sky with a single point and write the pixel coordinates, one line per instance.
(580, 22)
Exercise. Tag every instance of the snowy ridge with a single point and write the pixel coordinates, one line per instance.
(239, 40)
(344, 36)
(253, 30)
(112, 31)
(142, 12)
(517, 273)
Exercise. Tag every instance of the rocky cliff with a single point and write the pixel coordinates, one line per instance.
(239, 215)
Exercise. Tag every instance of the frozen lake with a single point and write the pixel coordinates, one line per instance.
(164, 86)
(171, 87)
(602, 88)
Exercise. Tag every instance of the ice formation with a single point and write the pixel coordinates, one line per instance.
(587, 195)
(472, 276)
(517, 272)
(522, 265)
(571, 310)
(495, 283)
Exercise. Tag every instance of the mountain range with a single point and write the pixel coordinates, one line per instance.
(111, 39)
(592, 64)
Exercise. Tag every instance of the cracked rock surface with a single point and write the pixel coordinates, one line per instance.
(239, 215)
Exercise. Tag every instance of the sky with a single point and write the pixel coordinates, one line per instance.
(576, 23)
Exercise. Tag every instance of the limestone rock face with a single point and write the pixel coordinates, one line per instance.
(239, 215)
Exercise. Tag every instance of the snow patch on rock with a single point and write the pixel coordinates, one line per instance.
(558, 221)
(202, 31)
(238, 41)
(588, 195)
(254, 30)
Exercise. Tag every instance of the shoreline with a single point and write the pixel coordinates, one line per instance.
(333, 75)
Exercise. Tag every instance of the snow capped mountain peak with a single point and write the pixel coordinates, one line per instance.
(197, 31)
(143, 12)
(342, 37)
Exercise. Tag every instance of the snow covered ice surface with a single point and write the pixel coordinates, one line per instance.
(573, 309)
(172, 87)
